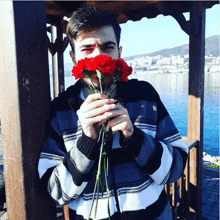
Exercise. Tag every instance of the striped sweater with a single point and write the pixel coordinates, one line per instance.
(139, 167)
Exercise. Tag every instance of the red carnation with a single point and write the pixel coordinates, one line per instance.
(81, 65)
(104, 63)
(124, 68)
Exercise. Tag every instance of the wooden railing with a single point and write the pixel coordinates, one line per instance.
(183, 194)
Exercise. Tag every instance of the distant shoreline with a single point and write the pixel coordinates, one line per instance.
(140, 72)
(208, 159)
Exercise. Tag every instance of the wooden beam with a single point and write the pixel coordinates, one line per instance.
(185, 25)
(196, 101)
(24, 102)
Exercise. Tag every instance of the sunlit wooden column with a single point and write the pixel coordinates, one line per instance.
(60, 56)
(54, 62)
(57, 58)
(196, 102)
(24, 102)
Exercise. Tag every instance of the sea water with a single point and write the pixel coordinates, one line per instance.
(173, 91)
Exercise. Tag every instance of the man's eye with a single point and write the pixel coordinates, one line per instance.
(87, 50)
(109, 47)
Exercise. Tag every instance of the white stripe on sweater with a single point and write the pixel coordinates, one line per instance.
(166, 162)
(132, 201)
(65, 183)
(47, 161)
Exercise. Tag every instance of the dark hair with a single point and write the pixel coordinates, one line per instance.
(88, 18)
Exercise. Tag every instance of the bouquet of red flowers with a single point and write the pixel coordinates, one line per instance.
(99, 66)
(103, 63)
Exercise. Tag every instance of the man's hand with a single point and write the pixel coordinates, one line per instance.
(96, 109)
(121, 121)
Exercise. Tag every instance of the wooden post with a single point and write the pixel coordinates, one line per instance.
(54, 63)
(196, 101)
(24, 102)
(57, 58)
(60, 56)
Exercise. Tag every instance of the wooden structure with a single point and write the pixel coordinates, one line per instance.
(25, 93)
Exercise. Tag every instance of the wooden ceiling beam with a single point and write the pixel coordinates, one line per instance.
(124, 10)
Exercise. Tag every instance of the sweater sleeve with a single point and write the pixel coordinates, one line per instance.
(65, 174)
(161, 153)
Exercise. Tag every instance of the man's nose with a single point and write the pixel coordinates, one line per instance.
(98, 51)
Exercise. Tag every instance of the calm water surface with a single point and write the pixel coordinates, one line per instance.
(173, 90)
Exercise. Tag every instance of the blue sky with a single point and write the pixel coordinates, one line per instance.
(149, 35)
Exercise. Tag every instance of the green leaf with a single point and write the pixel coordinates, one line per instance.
(86, 73)
(116, 76)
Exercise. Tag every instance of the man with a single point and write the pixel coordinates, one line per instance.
(146, 149)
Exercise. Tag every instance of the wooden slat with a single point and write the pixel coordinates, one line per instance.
(190, 143)
(180, 189)
(54, 63)
(66, 215)
(60, 57)
(175, 198)
(196, 102)
(186, 193)
(57, 59)
(25, 100)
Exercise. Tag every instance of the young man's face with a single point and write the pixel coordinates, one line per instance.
(92, 43)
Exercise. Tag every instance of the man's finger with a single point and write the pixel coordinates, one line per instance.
(93, 97)
(96, 104)
(99, 111)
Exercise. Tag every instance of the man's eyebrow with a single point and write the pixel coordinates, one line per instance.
(103, 44)
(108, 42)
(87, 45)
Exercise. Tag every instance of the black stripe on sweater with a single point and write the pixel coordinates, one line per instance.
(150, 213)
(77, 176)
(154, 161)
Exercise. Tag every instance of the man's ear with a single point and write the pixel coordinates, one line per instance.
(120, 51)
(72, 55)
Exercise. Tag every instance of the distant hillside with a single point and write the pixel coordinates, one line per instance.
(211, 48)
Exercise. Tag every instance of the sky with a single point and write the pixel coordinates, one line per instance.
(149, 35)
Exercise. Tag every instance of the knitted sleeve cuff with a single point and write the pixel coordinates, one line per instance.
(134, 142)
(88, 147)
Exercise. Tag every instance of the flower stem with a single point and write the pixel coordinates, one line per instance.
(93, 86)
(106, 180)
(96, 188)
(97, 196)
(100, 83)
(111, 90)
(100, 76)
(102, 154)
